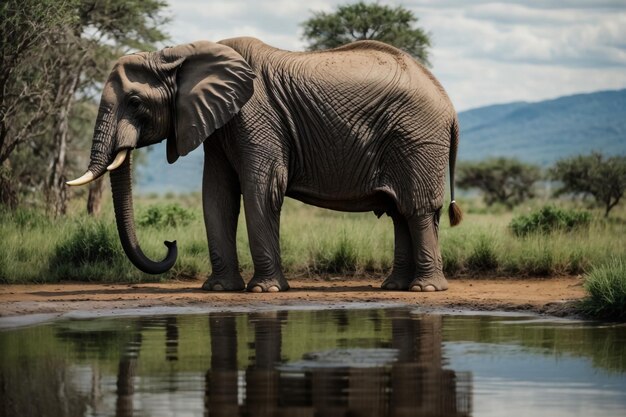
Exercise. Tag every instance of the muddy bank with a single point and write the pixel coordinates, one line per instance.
(551, 296)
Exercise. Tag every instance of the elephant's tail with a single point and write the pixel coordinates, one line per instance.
(455, 214)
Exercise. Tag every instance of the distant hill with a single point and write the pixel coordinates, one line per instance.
(545, 131)
(540, 132)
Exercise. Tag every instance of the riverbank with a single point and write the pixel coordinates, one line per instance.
(554, 296)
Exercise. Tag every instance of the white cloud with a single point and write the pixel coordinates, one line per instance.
(484, 51)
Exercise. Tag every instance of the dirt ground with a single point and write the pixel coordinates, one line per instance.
(551, 296)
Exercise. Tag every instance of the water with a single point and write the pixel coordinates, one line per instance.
(380, 362)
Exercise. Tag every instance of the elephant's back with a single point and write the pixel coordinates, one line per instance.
(374, 66)
(361, 65)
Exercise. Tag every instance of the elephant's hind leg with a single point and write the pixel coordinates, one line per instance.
(428, 264)
(263, 201)
(403, 265)
(221, 203)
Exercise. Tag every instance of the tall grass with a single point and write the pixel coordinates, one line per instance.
(36, 248)
(606, 286)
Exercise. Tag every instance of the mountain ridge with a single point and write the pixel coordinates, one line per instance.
(542, 132)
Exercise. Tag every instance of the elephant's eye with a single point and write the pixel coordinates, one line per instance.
(134, 102)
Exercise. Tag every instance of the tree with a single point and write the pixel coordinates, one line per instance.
(106, 30)
(27, 30)
(360, 21)
(501, 180)
(602, 178)
(71, 44)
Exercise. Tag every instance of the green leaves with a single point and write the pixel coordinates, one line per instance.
(549, 219)
(602, 178)
(360, 21)
(168, 215)
(53, 55)
(502, 180)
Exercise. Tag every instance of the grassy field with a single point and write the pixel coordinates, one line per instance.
(313, 241)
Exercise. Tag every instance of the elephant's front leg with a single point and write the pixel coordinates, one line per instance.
(221, 197)
(263, 198)
(428, 264)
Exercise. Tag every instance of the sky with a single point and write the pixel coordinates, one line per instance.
(483, 52)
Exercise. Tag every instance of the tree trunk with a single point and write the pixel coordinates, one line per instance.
(8, 192)
(94, 201)
(57, 191)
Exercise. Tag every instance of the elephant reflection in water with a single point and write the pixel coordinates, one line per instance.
(222, 380)
(127, 365)
(221, 392)
(126, 370)
(414, 384)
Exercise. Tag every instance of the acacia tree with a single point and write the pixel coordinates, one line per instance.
(602, 178)
(501, 180)
(361, 21)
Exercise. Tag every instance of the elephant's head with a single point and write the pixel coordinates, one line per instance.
(183, 94)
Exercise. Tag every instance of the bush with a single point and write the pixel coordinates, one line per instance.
(549, 219)
(169, 215)
(90, 243)
(483, 256)
(606, 285)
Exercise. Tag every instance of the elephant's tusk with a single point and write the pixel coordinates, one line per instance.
(119, 160)
(85, 179)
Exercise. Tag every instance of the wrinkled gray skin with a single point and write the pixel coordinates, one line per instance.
(360, 128)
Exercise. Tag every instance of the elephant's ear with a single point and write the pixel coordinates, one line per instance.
(213, 82)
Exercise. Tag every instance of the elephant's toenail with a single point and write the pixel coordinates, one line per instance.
(391, 286)
(273, 288)
(256, 288)
(416, 288)
(218, 287)
(430, 288)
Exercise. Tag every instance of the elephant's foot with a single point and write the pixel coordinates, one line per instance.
(265, 284)
(397, 282)
(429, 284)
(227, 283)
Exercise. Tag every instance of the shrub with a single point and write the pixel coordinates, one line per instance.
(168, 215)
(90, 243)
(606, 285)
(483, 256)
(549, 219)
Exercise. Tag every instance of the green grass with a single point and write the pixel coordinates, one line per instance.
(37, 248)
(606, 286)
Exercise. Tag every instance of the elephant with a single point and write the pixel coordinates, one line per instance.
(362, 127)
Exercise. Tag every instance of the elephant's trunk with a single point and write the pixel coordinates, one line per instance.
(124, 216)
(101, 148)
(102, 145)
